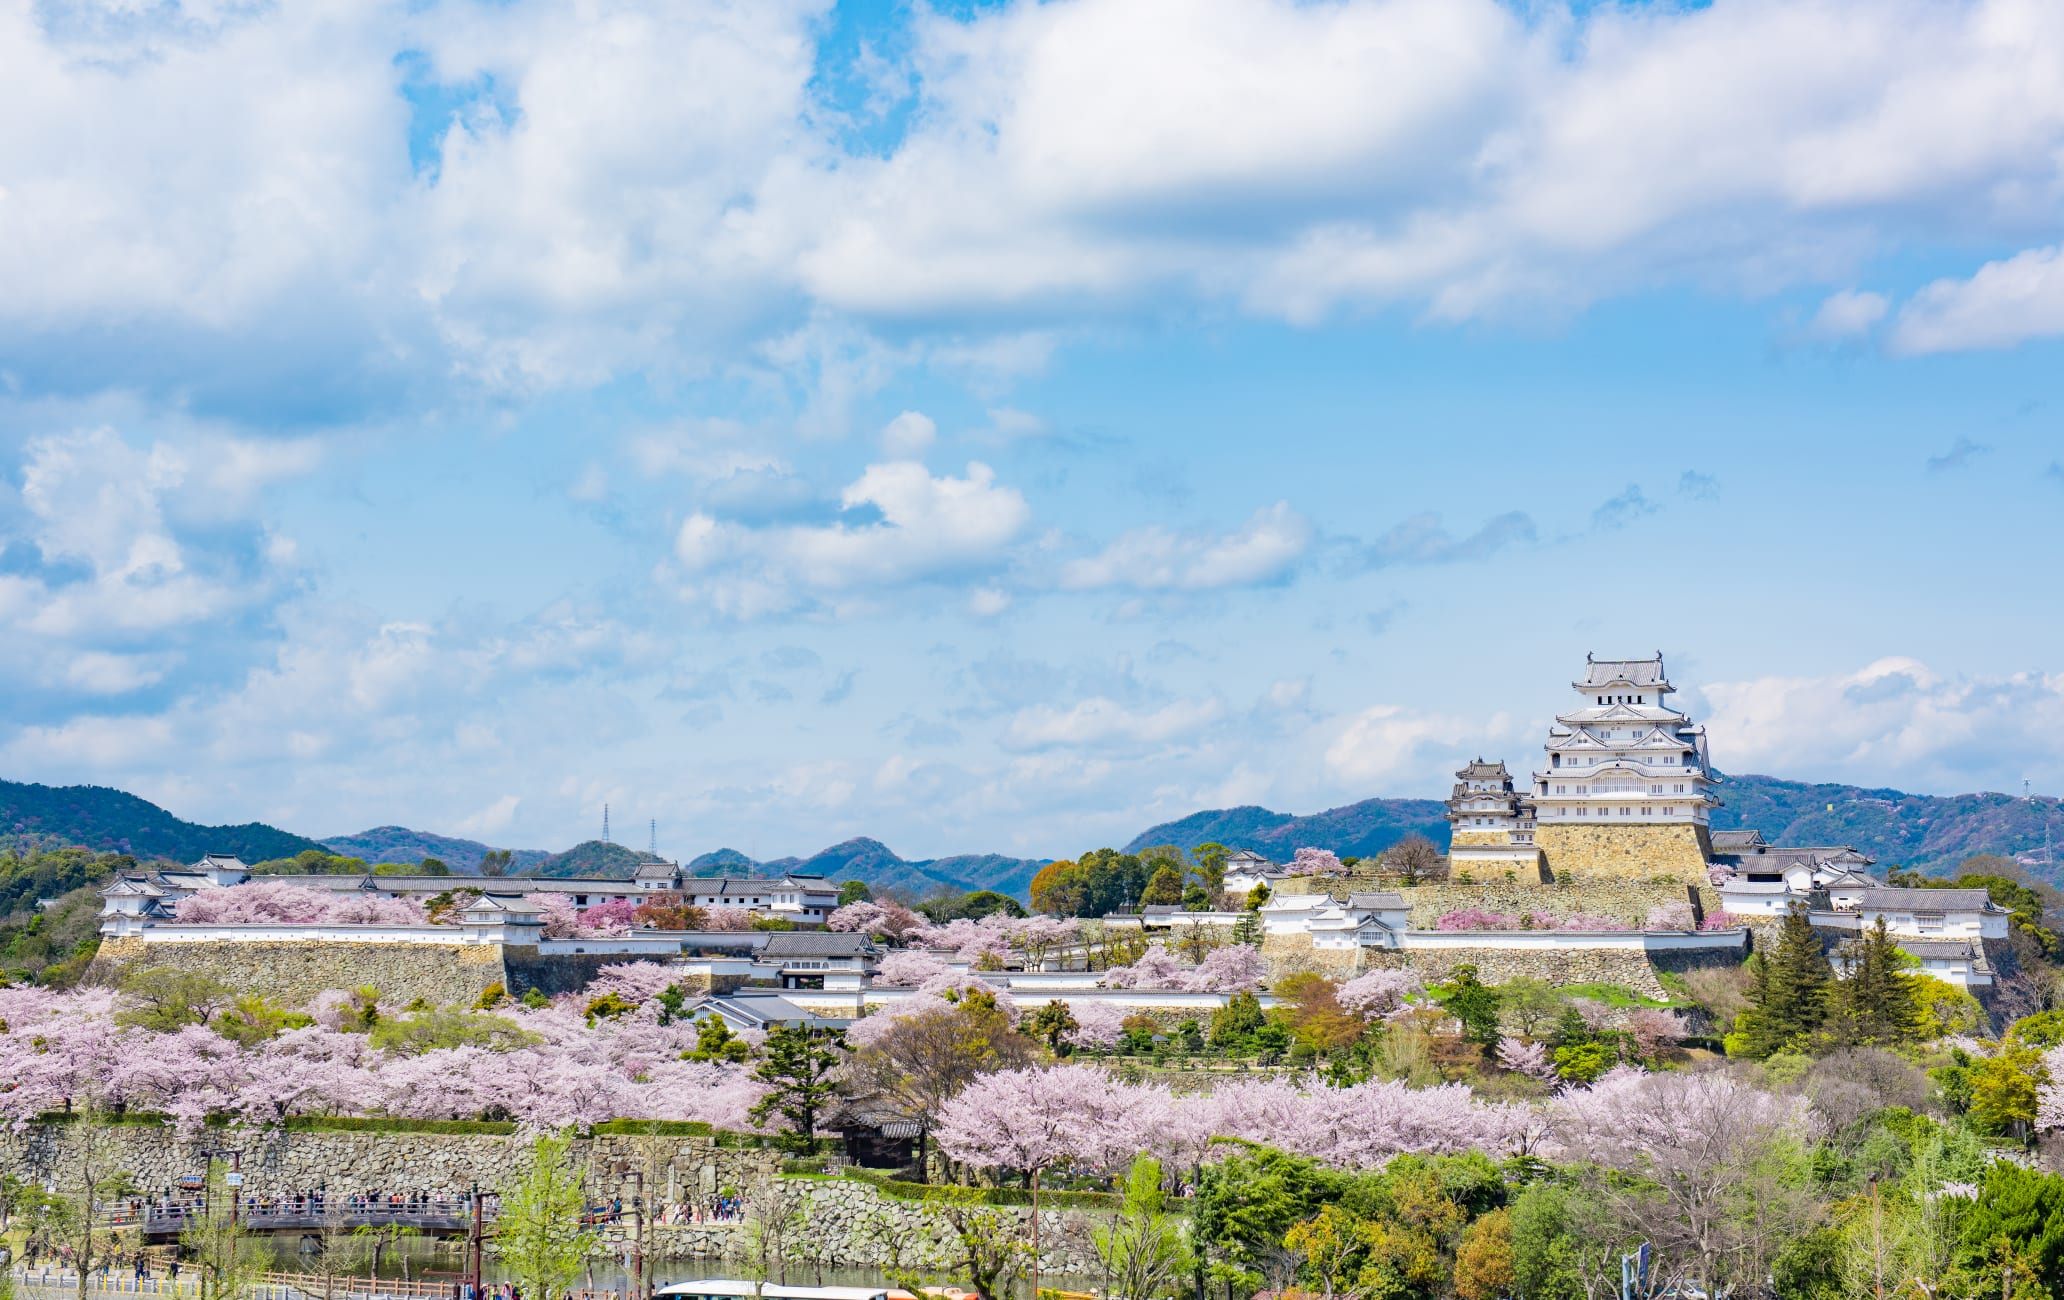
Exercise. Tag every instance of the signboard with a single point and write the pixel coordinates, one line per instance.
(192, 1182)
(233, 1179)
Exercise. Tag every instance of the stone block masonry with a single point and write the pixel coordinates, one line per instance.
(283, 1161)
(292, 973)
(1676, 851)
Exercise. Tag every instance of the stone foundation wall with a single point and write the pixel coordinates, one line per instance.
(1293, 954)
(848, 1222)
(1466, 839)
(1626, 852)
(283, 1161)
(1626, 901)
(293, 973)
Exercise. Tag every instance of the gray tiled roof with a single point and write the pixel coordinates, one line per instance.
(1925, 900)
(1380, 901)
(814, 943)
(1638, 672)
(1737, 841)
(1936, 947)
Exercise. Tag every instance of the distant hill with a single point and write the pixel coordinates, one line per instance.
(1357, 830)
(879, 865)
(112, 821)
(592, 858)
(1931, 832)
(400, 844)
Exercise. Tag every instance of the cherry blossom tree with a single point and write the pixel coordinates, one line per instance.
(1315, 862)
(908, 968)
(1374, 994)
(561, 919)
(633, 981)
(1098, 1024)
(857, 918)
(615, 917)
(1475, 918)
(373, 909)
(726, 918)
(1522, 1056)
(263, 902)
(1234, 969)
(1157, 968)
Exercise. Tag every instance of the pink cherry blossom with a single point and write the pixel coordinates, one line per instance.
(1315, 862)
(907, 968)
(726, 918)
(1234, 969)
(857, 918)
(1377, 993)
(1524, 1057)
(1097, 1024)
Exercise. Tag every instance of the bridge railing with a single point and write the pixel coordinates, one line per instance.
(52, 1282)
(168, 1219)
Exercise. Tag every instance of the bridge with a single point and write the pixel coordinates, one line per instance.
(171, 1220)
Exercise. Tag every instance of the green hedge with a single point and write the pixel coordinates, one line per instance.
(349, 1124)
(904, 1191)
(139, 1117)
(657, 1127)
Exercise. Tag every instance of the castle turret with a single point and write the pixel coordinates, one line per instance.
(1628, 789)
(1493, 824)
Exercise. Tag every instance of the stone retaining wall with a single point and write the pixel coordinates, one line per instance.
(292, 973)
(1627, 851)
(284, 1161)
(849, 1223)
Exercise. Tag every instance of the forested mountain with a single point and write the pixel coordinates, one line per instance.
(400, 844)
(1357, 830)
(112, 821)
(591, 858)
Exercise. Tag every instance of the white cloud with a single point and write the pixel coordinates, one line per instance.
(2002, 304)
(908, 435)
(491, 820)
(1263, 550)
(1386, 748)
(1893, 722)
(1846, 315)
(1100, 721)
(924, 527)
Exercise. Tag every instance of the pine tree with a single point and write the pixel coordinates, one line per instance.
(1788, 1004)
(1873, 1003)
(800, 1066)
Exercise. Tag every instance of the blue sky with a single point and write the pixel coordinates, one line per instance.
(1001, 427)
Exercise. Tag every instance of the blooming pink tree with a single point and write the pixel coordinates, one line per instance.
(726, 918)
(1315, 862)
(1102, 1024)
(373, 909)
(561, 918)
(263, 902)
(908, 968)
(1720, 919)
(857, 918)
(633, 981)
(1157, 968)
(1377, 993)
(615, 917)
(1236, 968)
(1591, 921)
(1475, 918)
(1522, 1056)
(1653, 1029)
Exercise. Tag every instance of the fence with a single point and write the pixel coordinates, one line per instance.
(159, 1220)
(50, 1283)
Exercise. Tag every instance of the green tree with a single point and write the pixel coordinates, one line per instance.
(497, 862)
(226, 1257)
(1164, 888)
(1233, 1025)
(854, 891)
(162, 1000)
(2003, 1089)
(1788, 1001)
(538, 1233)
(252, 1019)
(1210, 859)
(1246, 1205)
(1053, 1022)
(1529, 1004)
(1547, 1244)
(1873, 1004)
(1484, 1266)
(1474, 1003)
(798, 1064)
(1141, 1247)
(714, 1041)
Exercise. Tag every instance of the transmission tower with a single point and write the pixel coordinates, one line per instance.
(605, 825)
(653, 847)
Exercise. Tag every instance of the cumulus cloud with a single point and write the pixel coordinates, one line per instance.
(2003, 303)
(1386, 747)
(1100, 721)
(1895, 721)
(1263, 550)
(908, 526)
(908, 435)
